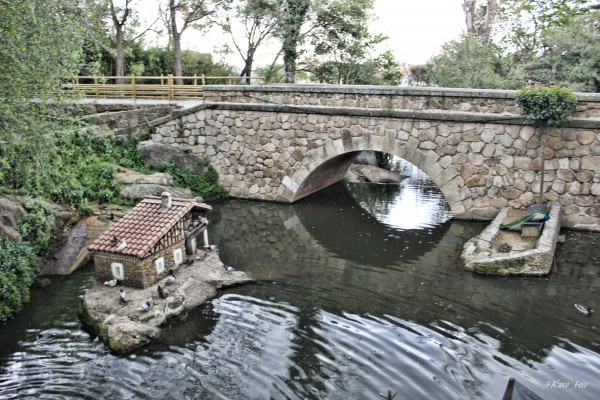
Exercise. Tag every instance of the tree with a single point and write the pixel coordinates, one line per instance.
(124, 21)
(571, 56)
(260, 19)
(383, 70)
(294, 16)
(546, 107)
(523, 22)
(40, 49)
(480, 18)
(343, 45)
(182, 14)
(469, 64)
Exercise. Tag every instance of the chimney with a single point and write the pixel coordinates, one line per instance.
(166, 201)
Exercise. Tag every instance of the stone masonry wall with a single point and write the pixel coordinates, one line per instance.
(480, 165)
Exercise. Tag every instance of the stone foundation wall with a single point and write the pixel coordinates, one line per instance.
(137, 273)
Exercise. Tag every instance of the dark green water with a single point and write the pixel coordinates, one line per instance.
(348, 303)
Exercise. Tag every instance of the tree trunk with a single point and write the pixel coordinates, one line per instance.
(177, 59)
(247, 71)
(176, 36)
(290, 71)
(120, 60)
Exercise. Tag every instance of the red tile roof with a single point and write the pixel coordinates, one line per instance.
(143, 226)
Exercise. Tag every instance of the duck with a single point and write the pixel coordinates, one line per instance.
(110, 216)
(122, 296)
(146, 306)
(114, 240)
(212, 247)
(229, 268)
(122, 246)
(161, 292)
(170, 279)
(585, 310)
(112, 282)
(101, 206)
(389, 395)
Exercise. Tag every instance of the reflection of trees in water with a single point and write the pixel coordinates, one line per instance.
(417, 201)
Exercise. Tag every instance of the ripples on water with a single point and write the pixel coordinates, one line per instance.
(348, 304)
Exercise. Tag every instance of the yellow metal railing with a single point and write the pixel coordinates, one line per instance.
(149, 87)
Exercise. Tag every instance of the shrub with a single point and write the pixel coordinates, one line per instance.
(546, 106)
(200, 184)
(17, 271)
(38, 227)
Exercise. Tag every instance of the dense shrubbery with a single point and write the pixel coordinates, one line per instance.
(17, 271)
(200, 184)
(81, 170)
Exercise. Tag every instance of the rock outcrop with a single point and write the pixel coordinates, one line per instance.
(158, 154)
(10, 212)
(373, 174)
(140, 191)
(124, 327)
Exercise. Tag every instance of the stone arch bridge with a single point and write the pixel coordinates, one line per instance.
(282, 143)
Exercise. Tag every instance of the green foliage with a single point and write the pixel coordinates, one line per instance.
(546, 106)
(571, 56)
(469, 64)
(523, 22)
(294, 16)
(18, 269)
(72, 169)
(38, 227)
(343, 46)
(206, 185)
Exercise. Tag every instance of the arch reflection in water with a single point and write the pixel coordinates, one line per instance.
(415, 203)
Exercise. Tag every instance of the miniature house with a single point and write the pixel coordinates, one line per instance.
(156, 235)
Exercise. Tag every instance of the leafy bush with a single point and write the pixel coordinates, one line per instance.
(38, 227)
(17, 271)
(200, 184)
(546, 105)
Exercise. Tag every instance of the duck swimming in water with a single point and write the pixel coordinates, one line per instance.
(585, 310)
(170, 279)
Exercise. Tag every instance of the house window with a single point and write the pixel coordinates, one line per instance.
(118, 271)
(160, 265)
(178, 256)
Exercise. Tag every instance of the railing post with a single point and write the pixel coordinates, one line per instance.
(203, 80)
(195, 80)
(162, 80)
(170, 83)
(96, 89)
(133, 88)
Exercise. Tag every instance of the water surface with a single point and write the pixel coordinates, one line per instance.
(351, 300)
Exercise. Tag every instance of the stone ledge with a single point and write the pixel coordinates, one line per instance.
(480, 255)
(385, 90)
(450, 116)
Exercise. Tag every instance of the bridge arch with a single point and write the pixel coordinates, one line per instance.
(328, 164)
